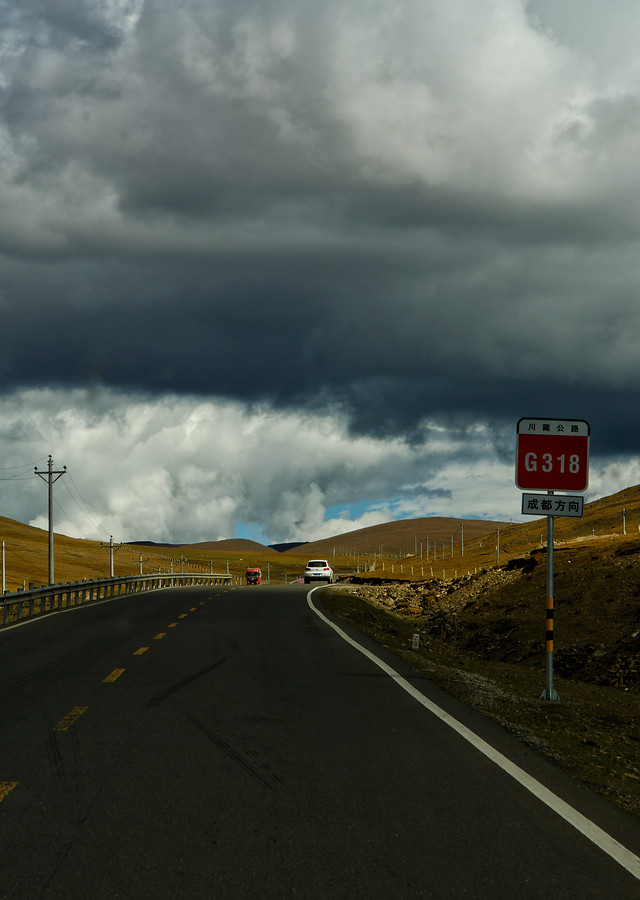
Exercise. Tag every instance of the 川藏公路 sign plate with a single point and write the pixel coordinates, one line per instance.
(552, 455)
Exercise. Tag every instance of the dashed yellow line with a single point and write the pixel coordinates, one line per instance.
(6, 787)
(193, 609)
(173, 625)
(113, 676)
(159, 637)
(183, 615)
(140, 651)
(70, 718)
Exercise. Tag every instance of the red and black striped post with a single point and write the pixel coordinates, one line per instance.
(549, 692)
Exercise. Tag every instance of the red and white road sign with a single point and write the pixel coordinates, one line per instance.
(552, 455)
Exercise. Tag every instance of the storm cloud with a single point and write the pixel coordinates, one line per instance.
(393, 217)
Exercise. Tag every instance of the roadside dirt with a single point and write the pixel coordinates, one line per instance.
(482, 638)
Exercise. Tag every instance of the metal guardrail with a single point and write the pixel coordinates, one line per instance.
(27, 604)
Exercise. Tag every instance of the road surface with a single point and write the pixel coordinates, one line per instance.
(222, 742)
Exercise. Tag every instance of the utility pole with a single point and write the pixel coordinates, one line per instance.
(48, 477)
(4, 583)
(111, 552)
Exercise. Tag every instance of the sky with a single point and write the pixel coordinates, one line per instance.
(284, 269)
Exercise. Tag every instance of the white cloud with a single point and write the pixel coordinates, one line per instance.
(183, 470)
(474, 96)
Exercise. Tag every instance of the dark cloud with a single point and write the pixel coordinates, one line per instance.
(312, 336)
(394, 215)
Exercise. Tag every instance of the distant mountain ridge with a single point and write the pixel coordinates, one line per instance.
(290, 545)
(401, 537)
(231, 544)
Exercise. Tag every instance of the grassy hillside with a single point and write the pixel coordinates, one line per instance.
(411, 549)
(27, 557)
(406, 537)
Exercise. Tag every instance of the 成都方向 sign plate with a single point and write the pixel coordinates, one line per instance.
(551, 505)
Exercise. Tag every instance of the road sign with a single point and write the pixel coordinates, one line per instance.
(552, 505)
(552, 454)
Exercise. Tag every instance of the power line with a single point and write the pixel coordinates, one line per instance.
(87, 511)
(17, 478)
(22, 473)
(24, 465)
(69, 519)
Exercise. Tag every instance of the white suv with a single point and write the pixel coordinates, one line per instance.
(318, 570)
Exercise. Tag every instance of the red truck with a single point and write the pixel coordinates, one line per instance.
(254, 576)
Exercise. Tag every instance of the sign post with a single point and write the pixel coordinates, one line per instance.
(552, 455)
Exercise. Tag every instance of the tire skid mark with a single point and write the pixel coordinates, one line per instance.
(178, 686)
(234, 754)
(54, 755)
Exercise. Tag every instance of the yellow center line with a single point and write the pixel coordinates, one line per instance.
(193, 609)
(183, 615)
(140, 651)
(173, 625)
(113, 676)
(6, 787)
(70, 718)
(159, 637)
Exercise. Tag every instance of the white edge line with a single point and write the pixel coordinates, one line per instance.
(589, 829)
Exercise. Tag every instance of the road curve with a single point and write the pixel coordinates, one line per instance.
(230, 743)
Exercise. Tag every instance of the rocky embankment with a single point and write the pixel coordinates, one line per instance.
(482, 638)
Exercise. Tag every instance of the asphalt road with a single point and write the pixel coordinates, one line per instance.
(229, 743)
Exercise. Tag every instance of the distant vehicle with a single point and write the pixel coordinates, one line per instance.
(318, 570)
(254, 576)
